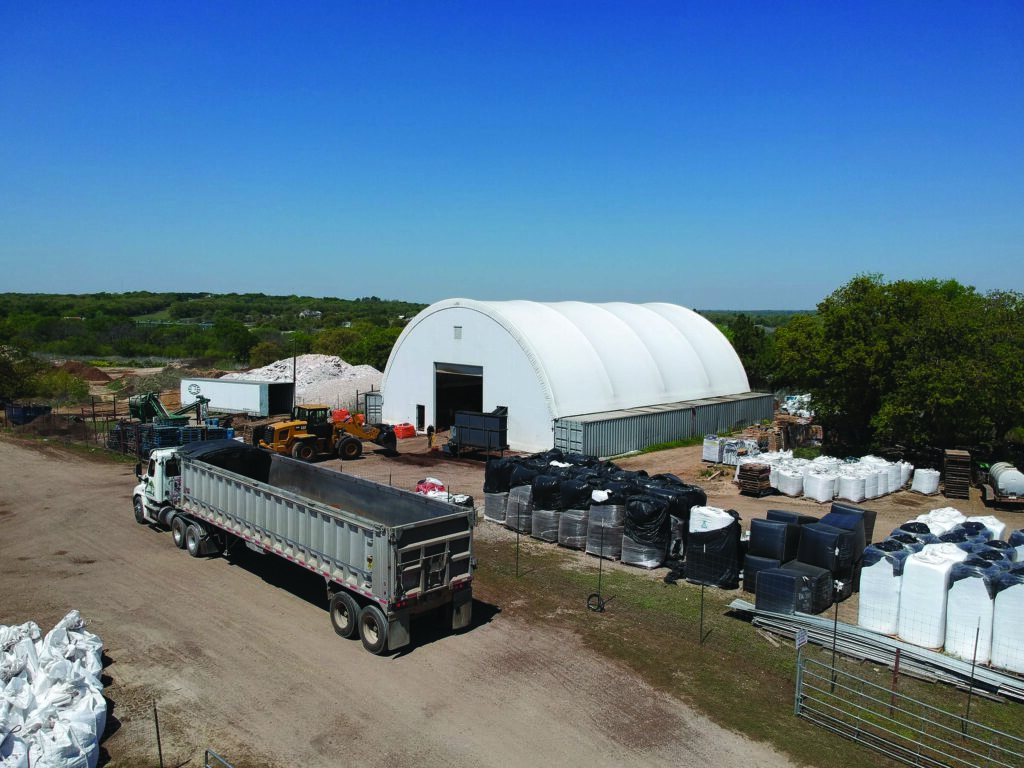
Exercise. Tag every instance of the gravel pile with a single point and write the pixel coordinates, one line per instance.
(319, 379)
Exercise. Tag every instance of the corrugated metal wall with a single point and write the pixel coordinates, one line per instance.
(633, 430)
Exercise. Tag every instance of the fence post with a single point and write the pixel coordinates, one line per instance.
(799, 677)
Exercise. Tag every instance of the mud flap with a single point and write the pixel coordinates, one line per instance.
(462, 608)
(398, 632)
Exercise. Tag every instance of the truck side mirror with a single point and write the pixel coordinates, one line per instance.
(138, 471)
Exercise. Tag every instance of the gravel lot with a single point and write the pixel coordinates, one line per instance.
(237, 654)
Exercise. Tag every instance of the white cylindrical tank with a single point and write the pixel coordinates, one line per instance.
(1007, 480)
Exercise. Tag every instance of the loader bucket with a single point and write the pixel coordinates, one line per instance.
(388, 440)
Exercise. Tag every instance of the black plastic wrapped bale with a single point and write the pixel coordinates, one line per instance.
(869, 516)
(519, 511)
(795, 587)
(774, 539)
(574, 494)
(677, 537)
(713, 557)
(647, 531)
(786, 516)
(545, 524)
(572, 528)
(830, 548)
(547, 492)
(522, 474)
(643, 555)
(605, 529)
(495, 505)
(498, 475)
(753, 565)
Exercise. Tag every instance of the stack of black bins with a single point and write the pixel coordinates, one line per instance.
(796, 587)
(829, 555)
(856, 521)
(772, 543)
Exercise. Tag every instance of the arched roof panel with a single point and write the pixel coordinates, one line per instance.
(590, 358)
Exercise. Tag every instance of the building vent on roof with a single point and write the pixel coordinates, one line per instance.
(458, 332)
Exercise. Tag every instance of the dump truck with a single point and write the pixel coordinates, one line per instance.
(311, 432)
(385, 554)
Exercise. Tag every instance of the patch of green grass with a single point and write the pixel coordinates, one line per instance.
(735, 676)
(674, 444)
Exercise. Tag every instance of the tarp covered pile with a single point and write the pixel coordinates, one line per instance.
(52, 710)
(586, 504)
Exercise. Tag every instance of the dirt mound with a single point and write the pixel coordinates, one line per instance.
(83, 371)
(57, 425)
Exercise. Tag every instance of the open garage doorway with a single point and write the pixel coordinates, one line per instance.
(456, 388)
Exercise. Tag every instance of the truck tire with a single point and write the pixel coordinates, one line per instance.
(194, 540)
(178, 526)
(140, 511)
(344, 614)
(305, 451)
(373, 629)
(350, 448)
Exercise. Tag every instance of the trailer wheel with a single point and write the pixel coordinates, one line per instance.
(344, 614)
(304, 451)
(194, 540)
(373, 629)
(140, 511)
(178, 526)
(350, 448)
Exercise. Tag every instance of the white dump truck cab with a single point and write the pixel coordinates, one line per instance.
(159, 487)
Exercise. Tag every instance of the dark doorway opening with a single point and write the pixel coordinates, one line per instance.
(456, 388)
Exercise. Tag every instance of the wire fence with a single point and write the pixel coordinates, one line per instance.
(900, 727)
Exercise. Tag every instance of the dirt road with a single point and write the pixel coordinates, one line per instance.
(238, 654)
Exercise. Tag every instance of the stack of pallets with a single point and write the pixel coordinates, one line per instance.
(755, 479)
(957, 475)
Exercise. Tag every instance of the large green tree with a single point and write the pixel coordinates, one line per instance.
(914, 362)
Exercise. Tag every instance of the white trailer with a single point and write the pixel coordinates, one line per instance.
(255, 398)
(385, 554)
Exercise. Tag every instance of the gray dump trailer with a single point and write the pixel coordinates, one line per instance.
(385, 554)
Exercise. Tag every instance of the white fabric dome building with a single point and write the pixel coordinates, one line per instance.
(557, 365)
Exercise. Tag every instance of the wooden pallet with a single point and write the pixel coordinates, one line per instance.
(957, 475)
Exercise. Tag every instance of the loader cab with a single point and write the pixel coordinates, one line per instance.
(317, 418)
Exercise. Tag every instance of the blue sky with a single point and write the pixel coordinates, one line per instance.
(747, 155)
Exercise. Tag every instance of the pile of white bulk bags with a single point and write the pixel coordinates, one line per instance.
(1008, 622)
(881, 580)
(969, 609)
(52, 710)
(922, 613)
(926, 481)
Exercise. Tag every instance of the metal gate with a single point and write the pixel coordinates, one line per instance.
(898, 726)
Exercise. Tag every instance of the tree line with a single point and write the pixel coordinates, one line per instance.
(234, 329)
(908, 362)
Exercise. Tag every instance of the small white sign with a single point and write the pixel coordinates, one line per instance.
(801, 638)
